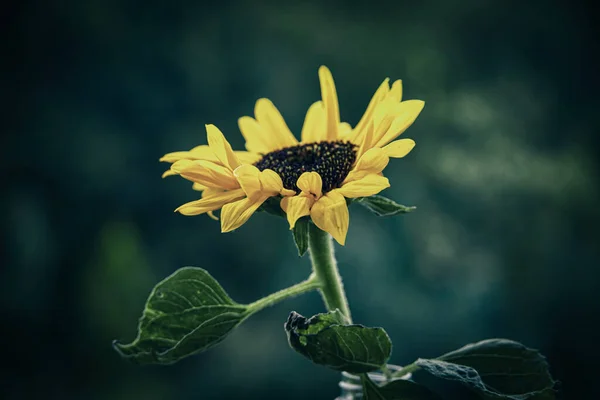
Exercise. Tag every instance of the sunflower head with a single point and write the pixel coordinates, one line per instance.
(312, 177)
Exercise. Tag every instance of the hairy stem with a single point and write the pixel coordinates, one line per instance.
(406, 370)
(325, 268)
(311, 283)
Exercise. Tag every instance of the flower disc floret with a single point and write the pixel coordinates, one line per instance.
(333, 162)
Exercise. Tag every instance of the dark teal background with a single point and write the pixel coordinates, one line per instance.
(504, 174)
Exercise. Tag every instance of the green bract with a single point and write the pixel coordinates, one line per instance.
(382, 206)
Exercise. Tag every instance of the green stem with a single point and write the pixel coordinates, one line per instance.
(311, 283)
(325, 268)
(406, 370)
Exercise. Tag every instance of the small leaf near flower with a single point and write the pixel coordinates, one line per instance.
(382, 206)
(272, 206)
(328, 339)
(497, 369)
(300, 233)
(399, 389)
(186, 313)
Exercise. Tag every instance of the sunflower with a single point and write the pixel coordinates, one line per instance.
(313, 177)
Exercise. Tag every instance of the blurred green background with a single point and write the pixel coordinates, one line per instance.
(505, 177)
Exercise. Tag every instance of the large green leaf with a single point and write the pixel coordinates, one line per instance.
(382, 206)
(328, 340)
(396, 390)
(300, 233)
(496, 368)
(186, 313)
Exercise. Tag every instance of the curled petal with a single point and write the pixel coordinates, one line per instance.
(366, 186)
(311, 182)
(248, 177)
(271, 182)
(330, 213)
(296, 207)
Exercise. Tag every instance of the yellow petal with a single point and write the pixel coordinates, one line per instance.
(169, 172)
(234, 215)
(221, 147)
(249, 178)
(247, 157)
(399, 148)
(311, 182)
(174, 156)
(206, 173)
(361, 127)
(204, 152)
(330, 102)
(344, 131)
(384, 115)
(366, 140)
(269, 118)
(271, 182)
(257, 139)
(330, 213)
(296, 207)
(210, 202)
(314, 128)
(396, 91)
(199, 187)
(367, 186)
(404, 116)
(374, 160)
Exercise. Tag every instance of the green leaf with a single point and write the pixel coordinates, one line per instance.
(396, 390)
(382, 206)
(186, 313)
(328, 340)
(272, 206)
(496, 368)
(300, 233)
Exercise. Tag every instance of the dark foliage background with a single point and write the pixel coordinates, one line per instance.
(505, 175)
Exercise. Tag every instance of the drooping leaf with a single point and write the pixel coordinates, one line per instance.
(327, 339)
(497, 369)
(382, 206)
(186, 313)
(399, 389)
(300, 233)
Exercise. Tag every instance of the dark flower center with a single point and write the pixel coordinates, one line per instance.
(332, 160)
